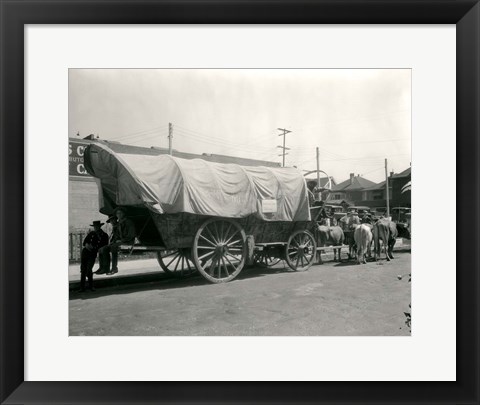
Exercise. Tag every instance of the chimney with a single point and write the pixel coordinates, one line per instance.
(391, 174)
(352, 176)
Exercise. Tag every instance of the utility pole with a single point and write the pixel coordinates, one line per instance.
(318, 175)
(170, 137)
(285, 132)
(386, 189)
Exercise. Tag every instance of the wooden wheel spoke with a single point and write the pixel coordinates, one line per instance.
(220, 233)
(170, 262)
(236, 258)
(216, 233)
(225, 266)
(181, 267)
(298, 259)
(219, 268)
(206, 255)
(176, 264)
(233, 243)
(211, 268)
(207, 229)
(228, 260)
(188, 265)
(207, 247)
(231, 236)
(228, 231)
(208, 240)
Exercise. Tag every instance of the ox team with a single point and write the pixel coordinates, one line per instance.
(359, 235)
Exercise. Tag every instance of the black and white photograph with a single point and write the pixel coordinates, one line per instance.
(240, 202)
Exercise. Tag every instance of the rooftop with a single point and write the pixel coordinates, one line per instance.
(354, 183)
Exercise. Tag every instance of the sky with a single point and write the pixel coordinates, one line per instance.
(356, 117)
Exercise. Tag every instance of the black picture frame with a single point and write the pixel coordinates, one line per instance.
(15, 14)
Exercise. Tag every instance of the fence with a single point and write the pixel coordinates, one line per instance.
(75, 241)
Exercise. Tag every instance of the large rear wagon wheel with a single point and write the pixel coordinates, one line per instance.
(220, 250)
(300, 250)
(177, 262)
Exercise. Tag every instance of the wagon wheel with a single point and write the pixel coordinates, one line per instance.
(176, 262)
(220, 250)
(264, 258)
(300, 251)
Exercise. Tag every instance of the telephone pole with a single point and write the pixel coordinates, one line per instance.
(318, 175)
(386, 189)
(170, 137)
(285, 132)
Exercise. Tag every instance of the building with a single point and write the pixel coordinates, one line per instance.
(352, 190)
(398, 181)
(360, 191)
(83, 201)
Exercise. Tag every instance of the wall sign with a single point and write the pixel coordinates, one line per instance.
(75, 159)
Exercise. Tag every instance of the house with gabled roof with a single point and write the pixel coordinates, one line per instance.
(352, 189)
(375, 195)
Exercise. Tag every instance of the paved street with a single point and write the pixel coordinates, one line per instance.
(336, 299)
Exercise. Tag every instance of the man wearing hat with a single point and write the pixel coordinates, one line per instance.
(123, 233)
(353, 219)
(91, 244)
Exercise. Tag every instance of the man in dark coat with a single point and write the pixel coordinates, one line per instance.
(91, 244)
(123, 234)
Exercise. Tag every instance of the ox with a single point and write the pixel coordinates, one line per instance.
(330, 236)
(386, 231)
(363, 239)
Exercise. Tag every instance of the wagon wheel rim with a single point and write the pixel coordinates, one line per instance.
(300, 250)
(264, 258)
(220, 250)
(177, 262)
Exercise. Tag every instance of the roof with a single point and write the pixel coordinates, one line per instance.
(118, 147)
(359, 183)
(405, 173)
(379, 186)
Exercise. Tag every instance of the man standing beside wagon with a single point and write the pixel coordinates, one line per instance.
(123, 234)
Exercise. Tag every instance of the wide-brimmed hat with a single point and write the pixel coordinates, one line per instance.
(97, 223)
(119, 209)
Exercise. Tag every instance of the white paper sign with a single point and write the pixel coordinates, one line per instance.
(269, 206)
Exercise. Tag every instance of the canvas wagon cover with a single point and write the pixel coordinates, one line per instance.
(167, 184)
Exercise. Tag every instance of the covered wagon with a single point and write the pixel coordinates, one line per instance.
(206, 216)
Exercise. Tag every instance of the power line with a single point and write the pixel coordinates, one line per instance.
(223, 144)
(140, 132)
(222, 140)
